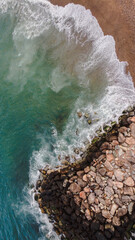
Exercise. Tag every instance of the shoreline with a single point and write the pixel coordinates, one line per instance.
(94, 198)
(116, 18)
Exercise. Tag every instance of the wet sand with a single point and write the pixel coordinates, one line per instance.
(116, 18)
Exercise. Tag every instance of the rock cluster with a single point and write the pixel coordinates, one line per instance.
(94, 198)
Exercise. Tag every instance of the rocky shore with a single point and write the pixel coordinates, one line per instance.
(94, 198)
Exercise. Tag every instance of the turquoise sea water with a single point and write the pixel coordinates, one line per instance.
(54, 61)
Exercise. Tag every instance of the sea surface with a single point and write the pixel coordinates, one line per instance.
(54, 61)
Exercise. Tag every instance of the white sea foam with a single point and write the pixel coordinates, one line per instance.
(71, 38)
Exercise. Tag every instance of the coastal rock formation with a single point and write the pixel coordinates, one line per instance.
(95, 197)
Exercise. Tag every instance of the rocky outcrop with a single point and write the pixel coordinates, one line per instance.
(94, 198)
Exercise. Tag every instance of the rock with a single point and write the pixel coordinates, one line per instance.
(91, 198)
(130, 141)
(89, 121)
(101, 200)
(132, 127)
(93, 174)
(108, 202)
(106, 214)
(101, 157)
(119, 175)
(128, 191)
(113, 209)
(65, 182)
(87, 214)
(93, 169)
(85, 204)
(77, 200)
(81, 183)
(130, 207)
(122, 129)
(36, 196)
(109, 227)
(129, 182)
(80, 173)
(121, 212)
(102, 171)
(104, 146)
(108, 165)
(38, 184)
(98, 192)
(86, 115)
(76, 150)
(121, 138)
(110, 138)
(116, 221)
(110, 174)
(79, 114)
(109, 157)
(95, 225)
(85, 179)
(114, 143)
(108, 234)
(110, 183)
(96, 208)
(109, 191)
(133, 119)
(68, 210)
(74, 188)
(133, 197)
(82, 195)
(100, 236)
(98, 179)
(87, 169)
(118, 184)
(125, 199)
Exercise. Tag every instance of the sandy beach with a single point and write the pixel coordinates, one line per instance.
(116, 18)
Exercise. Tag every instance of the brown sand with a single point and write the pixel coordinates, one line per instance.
(116, 18)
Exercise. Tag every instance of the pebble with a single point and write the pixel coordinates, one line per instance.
(98, 192)
(129, 182)
(132, 127)
(74, 188)
(130, 207)
(118, 184)
(121, 212)
(130, 141)
(128, 191)
(79, 114)
(110, 157)
(132, 119)
(102, 171)
(83, 195)
(119, 174)
(116, 221)
(91, 198)
(87, 214)
(106, 214)
(87, 169)
(109, 191)
(108, 165)
(113, 209)
(121, 138)
(98, 179)
(85, 178)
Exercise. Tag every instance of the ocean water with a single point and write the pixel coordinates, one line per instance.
(54, 61)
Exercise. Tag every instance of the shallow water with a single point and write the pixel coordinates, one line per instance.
(54, 61)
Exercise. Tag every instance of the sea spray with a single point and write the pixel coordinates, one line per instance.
(56, 61)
